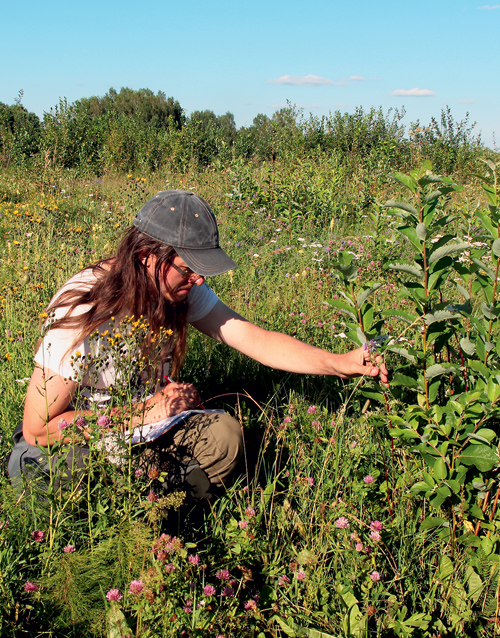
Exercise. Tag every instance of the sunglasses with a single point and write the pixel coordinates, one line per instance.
(185, 273)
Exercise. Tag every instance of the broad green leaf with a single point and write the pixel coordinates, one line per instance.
(486, 221)
(440, 470)
(407, 434)
(446, 250)
(363, 296)
(408, 268)
(482, 265)
(438, 368)
(490, 312)
(421, 231)
(403, 352)
(440, 315)
(487, 545)
(343, 307)
(404, 380)
(410, 233)
(349, 272)
(431, 522)
(492, 389)
(496, 247)
(468, 346)
(406, 180)
(463, 291)
(483, 457)
(400, 314)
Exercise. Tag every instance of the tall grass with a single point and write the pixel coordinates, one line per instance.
(320, 534)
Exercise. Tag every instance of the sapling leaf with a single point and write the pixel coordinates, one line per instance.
(482, 265)
(442, 251)
(410, 233)
(489, 312)
(406, 180)
(485, 219)
(343, 308)
(468, 346)
(400, 314)
(411, 269)
(463, 291)
(403, 352)
(483, 457)
(431, 522)
(363, 296)
(440, 315)
(430, 179)
(438, 369)
(432, 196)
(496, 247)
(392, 203)
(421, 231)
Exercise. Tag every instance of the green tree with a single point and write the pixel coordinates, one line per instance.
(20, 133)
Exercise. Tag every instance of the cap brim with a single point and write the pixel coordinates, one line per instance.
(206, 261)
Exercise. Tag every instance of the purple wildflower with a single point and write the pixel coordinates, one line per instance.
(250, 512)
(283, 580)
(228, 591)
(243, 524)
(69, 549)
(62, 425)
(312, 409)
(375, 536)
(37, 536)
(114, 595)
(30, 587)
(136, 586)
(209, 590)
(376, 526)
(368, 479)
(194, 559)
(300, 575)
(223, 574)
(169, 568)
(375, 576)
(104, 421)
(342, 523)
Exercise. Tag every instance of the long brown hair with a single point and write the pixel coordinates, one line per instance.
(124, 285)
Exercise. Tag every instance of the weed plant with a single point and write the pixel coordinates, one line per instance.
(359, 510)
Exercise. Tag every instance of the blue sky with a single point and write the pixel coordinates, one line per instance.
(250, 58)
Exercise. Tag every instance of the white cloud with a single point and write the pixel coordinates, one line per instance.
(301, 80)
(413, 92)
(466, 101)
(489, 7)
(356, 78)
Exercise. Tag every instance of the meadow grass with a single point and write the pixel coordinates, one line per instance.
(320, 535)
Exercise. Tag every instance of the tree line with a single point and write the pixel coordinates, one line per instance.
(130, 130)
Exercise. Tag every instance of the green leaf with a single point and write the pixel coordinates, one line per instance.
(433, 195)
(492, 389)
(438, 369)
(407, 434)
(406, 180)
(410, 233)
(421, 231)
(440, 470)
(403, 352)
(363, 296)
(440, 315)
(343, 307)
(446, 250)
(486, 221)
(432, 522)
(483, 457)
(496, 247)
(468, 346)
(484, 267)
(411, 269)
(400, 314)
(404, 380)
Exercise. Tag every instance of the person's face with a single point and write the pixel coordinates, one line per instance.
(177, 278)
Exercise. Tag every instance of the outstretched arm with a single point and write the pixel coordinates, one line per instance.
(283, 352)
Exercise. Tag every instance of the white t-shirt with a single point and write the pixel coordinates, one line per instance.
(57, 354)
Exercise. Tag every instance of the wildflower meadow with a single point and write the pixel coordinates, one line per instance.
(358, 510)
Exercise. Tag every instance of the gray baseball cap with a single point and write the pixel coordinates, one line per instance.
(186, 222)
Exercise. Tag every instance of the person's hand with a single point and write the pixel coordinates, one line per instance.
(361, 362)
(177, 397)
